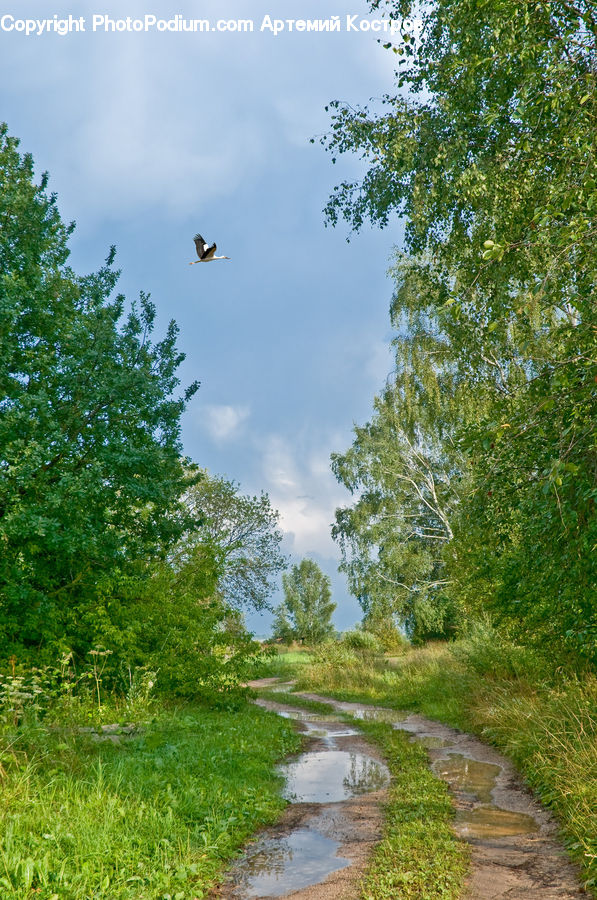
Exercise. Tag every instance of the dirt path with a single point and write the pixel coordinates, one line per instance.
(515, 851)
(327, 836)
(320, 847)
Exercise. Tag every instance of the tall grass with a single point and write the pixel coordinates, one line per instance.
(545, 720)
(285, 662)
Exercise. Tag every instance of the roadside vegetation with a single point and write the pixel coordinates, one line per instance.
(156, 812)
(543, 718)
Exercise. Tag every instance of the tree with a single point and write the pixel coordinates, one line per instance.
(488, 150)
(244, 529)
(176, 623)
(406, 473)
(306, 612)
(90, 468)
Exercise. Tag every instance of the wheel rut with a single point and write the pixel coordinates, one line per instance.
(337, 787)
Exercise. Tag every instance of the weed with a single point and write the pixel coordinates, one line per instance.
(156, 815)
(544, 720)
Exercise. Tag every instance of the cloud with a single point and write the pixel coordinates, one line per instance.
(303, 489)
(223, 423)
(168, 122)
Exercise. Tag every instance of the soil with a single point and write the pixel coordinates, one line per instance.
(355, 824)
(515, 851)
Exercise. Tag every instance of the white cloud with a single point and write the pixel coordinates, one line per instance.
(303, 489)
(280, 467)
(223, 423)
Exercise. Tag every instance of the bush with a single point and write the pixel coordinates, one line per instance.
(362, 640)
(490, 653)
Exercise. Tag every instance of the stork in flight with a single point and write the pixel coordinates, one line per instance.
(205, 253)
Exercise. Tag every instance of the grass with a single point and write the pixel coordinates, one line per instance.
(155, 817)
(419, 857)
(286, 663)
(544, 720)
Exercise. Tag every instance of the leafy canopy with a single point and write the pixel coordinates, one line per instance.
(245, 530)
(488, 149)
(90, 470)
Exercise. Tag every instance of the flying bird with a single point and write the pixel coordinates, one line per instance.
(204, 252)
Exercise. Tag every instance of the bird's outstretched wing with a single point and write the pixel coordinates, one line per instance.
(208, 253)
(200, 245)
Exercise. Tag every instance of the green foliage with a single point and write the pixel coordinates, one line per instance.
(176, 623)
(245, 531)
(361, 640)
(156, 815)
(391, 639)
(90, 471)
(407, 473)
(489, 151)
(306, 612)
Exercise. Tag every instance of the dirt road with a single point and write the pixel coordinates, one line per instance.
(320, 847)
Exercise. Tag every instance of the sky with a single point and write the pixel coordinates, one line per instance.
(152, 136)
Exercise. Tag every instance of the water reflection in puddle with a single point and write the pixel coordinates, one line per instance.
(377, 714)
(316, 725)
(302, 715)
(477, 779)
(281, 687)
(332, 776)
(468, 775)
(277, 866)
(492, 822)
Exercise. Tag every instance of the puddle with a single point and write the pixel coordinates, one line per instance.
(332, 776)
(377, 714)
(492, 822)
(277, 866)
(468, 775)
(326, 734)
(316, 724)
(302, 715)
(431, 741)
(475, 778)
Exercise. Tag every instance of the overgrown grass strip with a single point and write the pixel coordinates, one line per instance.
(419, 857)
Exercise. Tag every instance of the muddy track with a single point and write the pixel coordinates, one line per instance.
(319, 850)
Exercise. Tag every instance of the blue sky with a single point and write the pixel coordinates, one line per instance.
(151, 137)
